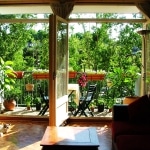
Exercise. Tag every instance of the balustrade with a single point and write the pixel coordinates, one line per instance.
(30, 78)
(22, 90)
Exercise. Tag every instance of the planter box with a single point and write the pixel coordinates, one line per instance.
(95, 77)
(72, 74)
(40, 75)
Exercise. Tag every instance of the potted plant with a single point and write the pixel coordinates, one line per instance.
(10, 101)
(6, 83)
(95, 75)
(37, 101)
(19, 74)
(29, 85)
(10, 98)
(110, 104)
(19, 64)
(72, 73)
(40, 74)
(92, 106)
(28, 100)
(100, 104)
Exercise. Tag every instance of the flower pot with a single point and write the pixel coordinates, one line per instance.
(28, 107)
(29, 87)
(72, 74)
(44, 75)
(38, 106)
(130, 99)
(100, 108)
(95, 77)
(19, 74)
(92, 109)
(9, 104)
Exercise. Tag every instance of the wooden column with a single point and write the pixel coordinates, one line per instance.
(63, 8)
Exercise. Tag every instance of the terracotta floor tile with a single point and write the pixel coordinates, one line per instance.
(27, 136)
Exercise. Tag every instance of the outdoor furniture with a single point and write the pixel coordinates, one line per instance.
(71, 102)
(84, 102)
(75, 89)
(45, 100)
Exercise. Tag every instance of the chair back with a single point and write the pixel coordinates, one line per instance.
(90, 93)
(44, 97)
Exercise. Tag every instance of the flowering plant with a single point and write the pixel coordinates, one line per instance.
(82, 79)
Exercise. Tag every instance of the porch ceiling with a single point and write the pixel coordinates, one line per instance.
(43, 6)
(21, 9)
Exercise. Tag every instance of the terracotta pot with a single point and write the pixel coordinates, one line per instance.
(29, 87)
(92, 109)
(40, 75)
(28, 107)
(19, 74)
(95, 77)
(9, 104)
(72, 74)
(130, 99)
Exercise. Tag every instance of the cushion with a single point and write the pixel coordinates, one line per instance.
(128, 128)
(133, 142)
(139, 110)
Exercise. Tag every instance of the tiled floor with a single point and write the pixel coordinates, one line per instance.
(23, 111)
(27, 135)
(23, 136)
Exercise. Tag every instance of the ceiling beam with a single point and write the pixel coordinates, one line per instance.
(107, 20)
(74, 20)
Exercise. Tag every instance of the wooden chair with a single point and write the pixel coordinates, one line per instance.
(45, 101)
(84, 102)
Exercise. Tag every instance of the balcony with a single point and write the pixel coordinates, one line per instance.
(41, 80)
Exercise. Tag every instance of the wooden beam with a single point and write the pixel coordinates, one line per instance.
(74, 20)
(108, 20)
(24, 20)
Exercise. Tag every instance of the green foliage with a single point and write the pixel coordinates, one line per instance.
(28, 99)
(6, 83)
(37, 100)
(12, 94)
(98, 50)
(27, 47)
(94, 49)
(100, 101)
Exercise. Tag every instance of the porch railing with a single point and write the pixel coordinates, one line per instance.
(20, 87)
(28, 77)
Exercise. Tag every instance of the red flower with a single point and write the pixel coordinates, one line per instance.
(82, 79)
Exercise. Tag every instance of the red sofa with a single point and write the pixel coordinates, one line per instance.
(131, 125)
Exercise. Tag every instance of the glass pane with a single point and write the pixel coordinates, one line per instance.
(147, 46)
(62, 58)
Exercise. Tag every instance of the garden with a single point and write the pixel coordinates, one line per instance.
(113, 61)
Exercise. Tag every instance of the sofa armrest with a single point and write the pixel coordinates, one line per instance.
(120, 112)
